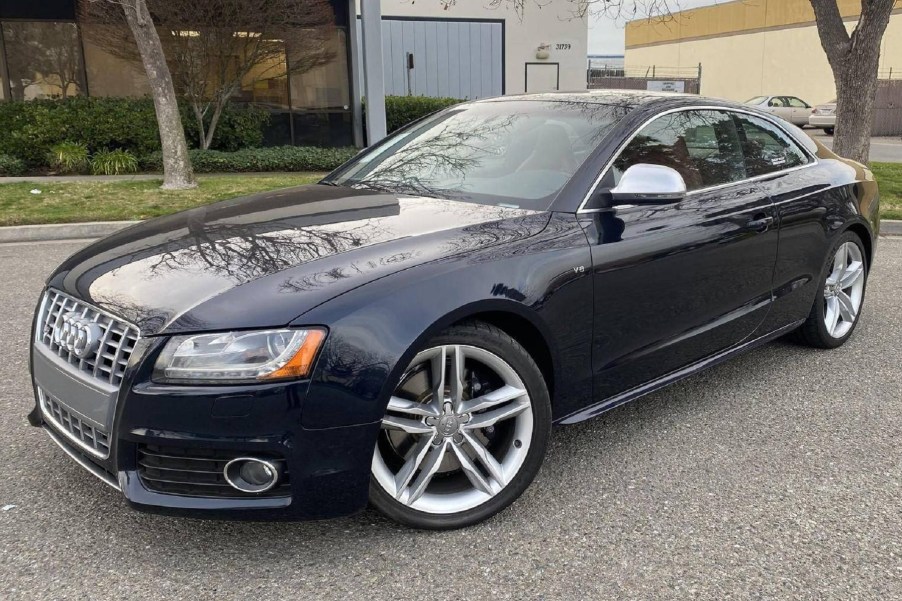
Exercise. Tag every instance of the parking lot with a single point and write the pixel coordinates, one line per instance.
(775, 475)
(883, 149)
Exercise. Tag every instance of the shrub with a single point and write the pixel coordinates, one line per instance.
(279, 158)
(11, 166)
(31, 129)
(113, 162)
(69, 157)
(401, 110)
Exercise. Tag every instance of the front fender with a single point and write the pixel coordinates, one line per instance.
(375, 330)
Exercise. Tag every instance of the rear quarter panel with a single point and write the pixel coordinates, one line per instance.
(814, 206)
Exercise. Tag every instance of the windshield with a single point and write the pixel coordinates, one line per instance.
(508, 153)
(756, 100)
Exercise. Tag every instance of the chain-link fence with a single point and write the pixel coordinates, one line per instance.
(653, 77)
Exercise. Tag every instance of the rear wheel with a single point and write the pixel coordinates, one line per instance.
(464, 433)
(829, 131)
(840, 296)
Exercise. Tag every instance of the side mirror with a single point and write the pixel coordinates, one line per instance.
(645, 184)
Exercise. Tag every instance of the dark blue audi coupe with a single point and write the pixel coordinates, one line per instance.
(406, 332)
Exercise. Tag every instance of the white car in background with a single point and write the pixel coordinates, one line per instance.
(824, 117)
(789, 108)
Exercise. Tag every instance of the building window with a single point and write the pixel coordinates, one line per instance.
(44, 60)
(325, 84)
(266, 84)
(113, 72)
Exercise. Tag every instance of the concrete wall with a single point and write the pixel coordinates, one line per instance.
(777, 58)
(550, 23)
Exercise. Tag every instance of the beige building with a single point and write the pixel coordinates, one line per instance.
(749, 48)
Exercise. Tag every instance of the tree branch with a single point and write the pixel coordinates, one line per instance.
(831, 29)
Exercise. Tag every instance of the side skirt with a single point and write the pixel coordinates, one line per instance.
(675, 376)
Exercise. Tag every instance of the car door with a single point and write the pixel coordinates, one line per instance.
(679, 282)
(777, 160)
(799, 110)
(779, 106)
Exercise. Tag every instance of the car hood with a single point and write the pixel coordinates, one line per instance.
(263, 260)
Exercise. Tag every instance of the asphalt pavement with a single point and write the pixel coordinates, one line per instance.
(776, 475)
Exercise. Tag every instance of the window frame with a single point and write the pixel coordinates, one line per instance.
(804, 105)
(812, 158)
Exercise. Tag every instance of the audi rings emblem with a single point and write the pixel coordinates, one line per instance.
(76, 334)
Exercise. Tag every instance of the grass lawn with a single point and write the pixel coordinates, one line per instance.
(120, 201)
(889, 177)
(70, 202)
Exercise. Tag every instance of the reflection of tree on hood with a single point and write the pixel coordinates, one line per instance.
(246, 252)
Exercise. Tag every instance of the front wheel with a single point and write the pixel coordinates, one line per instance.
(464, 433)
(840, 296)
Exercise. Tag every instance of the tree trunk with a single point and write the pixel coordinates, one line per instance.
(214, 121)
(856, 91)
(177, 171)
(201, 128)
(854, 60)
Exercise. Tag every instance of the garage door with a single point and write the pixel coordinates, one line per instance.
(458, 59)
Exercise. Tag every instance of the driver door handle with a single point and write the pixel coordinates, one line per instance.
(761, 222)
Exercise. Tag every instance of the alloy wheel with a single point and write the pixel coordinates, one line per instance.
(844, 290)
(456, 431)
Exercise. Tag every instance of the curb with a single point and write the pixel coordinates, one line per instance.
(99, 229)
(61, 231)
(890, 227)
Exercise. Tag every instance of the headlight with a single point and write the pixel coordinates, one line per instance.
(238, 357)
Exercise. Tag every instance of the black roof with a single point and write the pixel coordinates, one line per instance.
(634, 98)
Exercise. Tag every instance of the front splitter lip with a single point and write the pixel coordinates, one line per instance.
(104, 476)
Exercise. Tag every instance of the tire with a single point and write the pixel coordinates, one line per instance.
(440, 493)
(816, 331)
(829, 131)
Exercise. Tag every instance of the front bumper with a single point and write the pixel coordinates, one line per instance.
(328, 468)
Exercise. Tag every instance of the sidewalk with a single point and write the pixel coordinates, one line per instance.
(137, 177)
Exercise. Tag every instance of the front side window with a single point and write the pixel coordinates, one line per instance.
(766, 147)
(518, 153)
(703, 146)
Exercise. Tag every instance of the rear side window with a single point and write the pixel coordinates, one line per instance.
(796, 103)
(703, 146)
(766, 147)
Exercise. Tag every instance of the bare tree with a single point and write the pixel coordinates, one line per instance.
(613, 9)
(854, 59)
(177, 171)
(215, 48)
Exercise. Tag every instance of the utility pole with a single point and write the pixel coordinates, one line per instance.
(374, 83)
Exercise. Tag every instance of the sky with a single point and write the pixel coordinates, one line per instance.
(606, 35)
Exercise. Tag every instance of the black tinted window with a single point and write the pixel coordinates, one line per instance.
(703, 146)
(766, 147)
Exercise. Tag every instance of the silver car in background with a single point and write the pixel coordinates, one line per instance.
(792, 109)
(824, 117)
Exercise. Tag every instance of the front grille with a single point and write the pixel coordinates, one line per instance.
(197, 472)
(117, 339)
(89, 437)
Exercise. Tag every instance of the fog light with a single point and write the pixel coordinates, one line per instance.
(252, 475)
